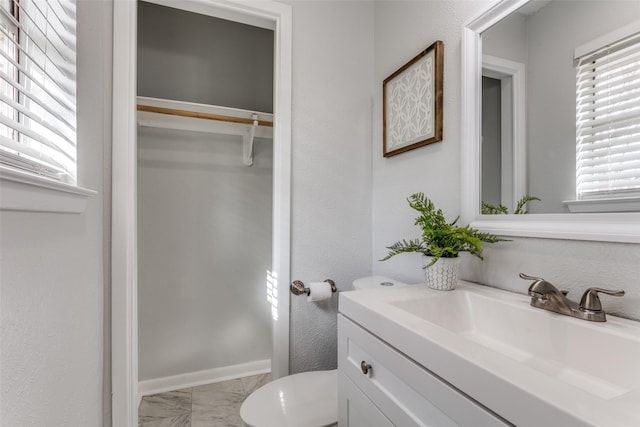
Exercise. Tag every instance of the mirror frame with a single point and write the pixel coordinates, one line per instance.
(607, 227)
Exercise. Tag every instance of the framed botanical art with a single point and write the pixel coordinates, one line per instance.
(412, 102)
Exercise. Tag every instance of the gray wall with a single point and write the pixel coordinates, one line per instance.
(574, 265)
(204, 233)
(52, 327)
(331, 170)
(52, 266)
(204, 223)
(402, 29)
(234, 68)
(507, 39)
(331, 193)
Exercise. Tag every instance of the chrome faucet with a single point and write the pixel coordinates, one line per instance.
(546, 296)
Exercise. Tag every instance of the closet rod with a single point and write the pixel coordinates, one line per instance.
(208, 116)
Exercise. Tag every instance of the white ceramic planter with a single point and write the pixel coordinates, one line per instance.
(443, 275)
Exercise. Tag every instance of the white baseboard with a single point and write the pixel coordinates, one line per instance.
(208, 376)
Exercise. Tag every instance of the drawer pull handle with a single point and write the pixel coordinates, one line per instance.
(366, 367)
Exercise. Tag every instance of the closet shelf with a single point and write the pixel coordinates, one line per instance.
(199, 115)
(189, 116)
(193, 110)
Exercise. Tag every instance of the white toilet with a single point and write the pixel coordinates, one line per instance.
(307, 399)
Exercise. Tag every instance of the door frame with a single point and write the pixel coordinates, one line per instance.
(124, 274)
(514, 124)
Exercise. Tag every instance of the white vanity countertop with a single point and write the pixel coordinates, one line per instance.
(532, 367)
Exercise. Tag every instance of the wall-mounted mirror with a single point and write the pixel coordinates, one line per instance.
(551, 109)
(541, 39)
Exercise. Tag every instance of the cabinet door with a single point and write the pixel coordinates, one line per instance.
(355, 409)
(405, 392)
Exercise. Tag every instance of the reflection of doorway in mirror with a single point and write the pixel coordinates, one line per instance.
(491, 191)
(504, 176)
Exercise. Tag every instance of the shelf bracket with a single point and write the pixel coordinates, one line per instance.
(247, 142)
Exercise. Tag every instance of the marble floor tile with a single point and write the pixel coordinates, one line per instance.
(208, 397)
(183, 420)
(211, 405)
(222, 416)
(165, 405)
(252, 383)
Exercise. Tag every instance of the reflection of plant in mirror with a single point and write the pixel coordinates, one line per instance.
(440, 239)
(489, 209)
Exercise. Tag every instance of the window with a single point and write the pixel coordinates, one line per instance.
(608, 118)
(38, 87)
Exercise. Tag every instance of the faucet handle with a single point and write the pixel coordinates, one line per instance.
(540, 282)
(591, 301)
(527, 277)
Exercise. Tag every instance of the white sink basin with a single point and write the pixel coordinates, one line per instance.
(584, 354)
(531, 366)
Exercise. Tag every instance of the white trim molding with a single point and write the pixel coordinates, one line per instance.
(207, 376)
(24, 191)
(607, 39)
(599, 227)
(614, 204)
(514, 124)
(610, 227)
(124, 245)
(268, 14)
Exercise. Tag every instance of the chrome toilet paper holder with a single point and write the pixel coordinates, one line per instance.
(298, 288)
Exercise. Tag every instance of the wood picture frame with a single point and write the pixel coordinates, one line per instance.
(412, 102)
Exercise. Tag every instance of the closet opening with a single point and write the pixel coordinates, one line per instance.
(205, 202)
(186, 164)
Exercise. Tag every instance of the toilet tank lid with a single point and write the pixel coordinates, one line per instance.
(376, 282)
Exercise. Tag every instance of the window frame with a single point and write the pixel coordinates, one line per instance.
(26, 190)
(602, 201)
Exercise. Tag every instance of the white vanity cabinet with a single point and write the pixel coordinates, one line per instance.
(479, 356)
(393, 390)
(355, 408)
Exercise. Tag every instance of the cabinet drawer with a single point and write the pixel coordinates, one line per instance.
(405, 392)
(355, 409)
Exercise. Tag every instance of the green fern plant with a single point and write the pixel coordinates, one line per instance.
(440, 238)
(489, 209)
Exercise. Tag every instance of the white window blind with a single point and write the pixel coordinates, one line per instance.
(38, 87)
(608, 121)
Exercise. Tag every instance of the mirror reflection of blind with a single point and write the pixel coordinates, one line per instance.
(38, 87)
(608, 121)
